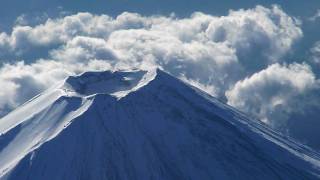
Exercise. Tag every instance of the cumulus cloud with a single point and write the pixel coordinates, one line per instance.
(82, 49)
(59, 31)
(274, 93)
(258, 32)
(213, 53)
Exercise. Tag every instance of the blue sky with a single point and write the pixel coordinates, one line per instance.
(263, 57)
(10, 9)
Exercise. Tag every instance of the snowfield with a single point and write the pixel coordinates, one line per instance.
(142, 125)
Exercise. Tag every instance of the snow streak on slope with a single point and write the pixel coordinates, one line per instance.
(142, 125)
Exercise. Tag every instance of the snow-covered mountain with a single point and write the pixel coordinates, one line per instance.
(142, 125)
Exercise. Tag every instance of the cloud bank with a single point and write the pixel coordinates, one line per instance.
(238, 58)
(275, 90)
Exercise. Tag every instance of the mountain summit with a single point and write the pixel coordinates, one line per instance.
(142, 125)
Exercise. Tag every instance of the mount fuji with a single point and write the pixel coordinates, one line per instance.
(142, 125)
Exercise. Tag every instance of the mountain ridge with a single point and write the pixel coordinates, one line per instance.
(159, 128)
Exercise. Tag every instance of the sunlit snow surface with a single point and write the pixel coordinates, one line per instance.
(142, 125)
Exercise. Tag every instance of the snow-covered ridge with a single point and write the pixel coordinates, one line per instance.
(85, 86)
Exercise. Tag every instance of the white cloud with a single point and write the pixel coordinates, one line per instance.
(262, 29)
(315, 54)
(274, 92)
(82, 49)
(315, 17)
(209, 51)
(61, 30)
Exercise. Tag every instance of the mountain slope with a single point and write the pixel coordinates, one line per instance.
(142, 125)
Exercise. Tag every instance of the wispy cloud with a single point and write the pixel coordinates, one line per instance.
(315, 17)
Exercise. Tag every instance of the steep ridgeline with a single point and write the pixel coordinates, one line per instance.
(142, 125)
